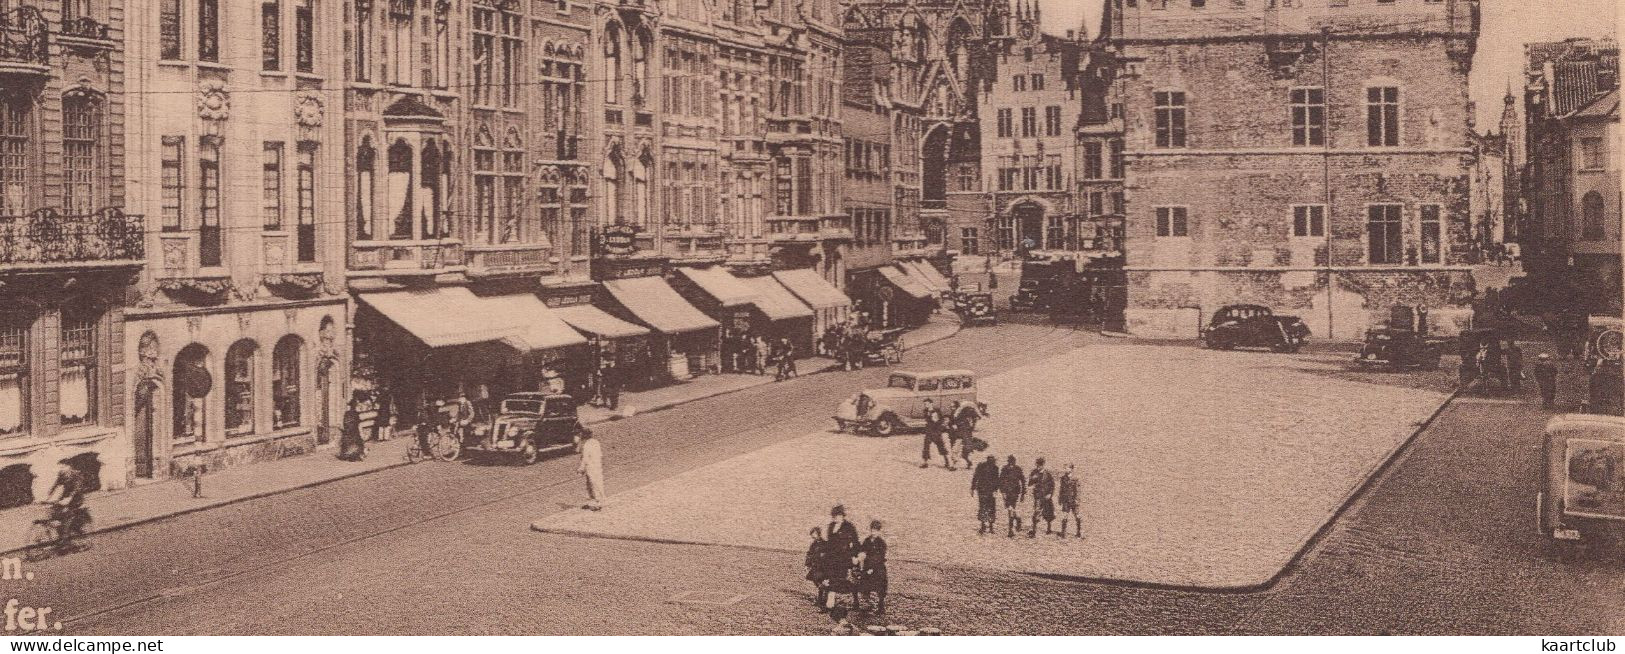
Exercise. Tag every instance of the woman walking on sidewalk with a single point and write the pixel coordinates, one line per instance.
(591, 467)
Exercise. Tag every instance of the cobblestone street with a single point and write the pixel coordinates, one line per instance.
(1219, 494)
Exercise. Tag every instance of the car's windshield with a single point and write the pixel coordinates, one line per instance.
(900, 381)
(521, 406)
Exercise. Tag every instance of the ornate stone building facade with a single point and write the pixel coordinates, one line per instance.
(69, 246)
(237, 155)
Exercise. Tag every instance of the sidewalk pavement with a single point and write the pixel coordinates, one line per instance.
(157, 500)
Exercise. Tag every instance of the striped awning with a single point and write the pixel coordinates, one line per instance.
(776, 301)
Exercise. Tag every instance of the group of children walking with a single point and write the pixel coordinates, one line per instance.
(990, 481)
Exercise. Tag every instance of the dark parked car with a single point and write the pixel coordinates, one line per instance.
(975, 309)
(1030, 296)
(527, 425)
(1251, 325)
(1401, 343)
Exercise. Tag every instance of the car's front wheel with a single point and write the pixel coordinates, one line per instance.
(529, 454)
(885, 426)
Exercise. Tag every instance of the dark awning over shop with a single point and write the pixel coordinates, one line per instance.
(452, 315)
(776, 301)
(812, 289)
(654, 303)
(904, 283)
(592, 320)
(721, 285)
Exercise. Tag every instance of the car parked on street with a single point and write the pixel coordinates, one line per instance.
(528, 425)
(1401, 343)
(900, 406)
(1582, 498)
(1252, 325)
(975, 309)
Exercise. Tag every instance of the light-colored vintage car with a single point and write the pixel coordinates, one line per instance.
(1583, 494)
(900, 405)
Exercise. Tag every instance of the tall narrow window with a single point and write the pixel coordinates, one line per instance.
(81, 147)
(365, 160)
(400, 189)
(1091, 160)
(1309, 220)
(209, 236)
(14, 159)
(76, 399)
(306, 246)
(429, 179)
(208, 30)
(271, 35)
(304, 36)
(285, 382)
(1117, 158)
(169, 29)
(1432, 231)
(1029, 121)
(1384, 239)
(1018, 82)
(13, 377)
(1308, 116)
(1382, 116)
(484, 54)
(271, 185)
(1052, 120)
(1170, 117)
(511, 53)
(485, 194)
(1038, 82)
(1591, 211)
(1005, 124)
(612, 64)
(172, 178)
(362, 47)
(239, 388)
(1172, 222)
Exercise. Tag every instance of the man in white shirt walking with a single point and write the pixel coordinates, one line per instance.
(591, 467)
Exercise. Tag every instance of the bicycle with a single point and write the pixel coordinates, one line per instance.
(54, 534)
(443, 445)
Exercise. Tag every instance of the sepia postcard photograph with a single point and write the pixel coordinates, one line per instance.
(810, 317)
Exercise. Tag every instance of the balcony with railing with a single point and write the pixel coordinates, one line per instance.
(406, 257)
(47, 238)
(25, 49)
(510, 259)
(808, 229)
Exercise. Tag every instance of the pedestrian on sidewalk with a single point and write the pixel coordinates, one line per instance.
(1546, 377)
(815, 562)
(934, 428)
(382, 429)
(351, 447)
(758, 346)
(609, 385)
(1013, 485)
(1042, 484)
(1069, 500)
(872, 561)
(1514, 355)
(984, 483)
(591, 467)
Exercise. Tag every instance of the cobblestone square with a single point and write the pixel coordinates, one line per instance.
(1199, 468)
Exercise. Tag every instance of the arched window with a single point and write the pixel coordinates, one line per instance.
(640, 185)
(400, 188)
(285, 382)
(1591, 211)
(81, 150)
(612, 188)
(365, 159)
(192, 384)
(240, 388)
(612, 63)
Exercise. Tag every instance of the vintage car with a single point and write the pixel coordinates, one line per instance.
(883, 346)
(526, 425)
(900, 405)
(1251, 325)
(975, 309)
(1604, 342)
(1030, 296)
(1402, 343)
(1583, 491)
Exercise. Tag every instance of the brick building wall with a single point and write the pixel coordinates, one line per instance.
(1214, 215)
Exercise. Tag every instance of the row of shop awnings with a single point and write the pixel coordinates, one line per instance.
(453, 315)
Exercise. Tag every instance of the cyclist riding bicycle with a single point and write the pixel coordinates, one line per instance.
(67, 498)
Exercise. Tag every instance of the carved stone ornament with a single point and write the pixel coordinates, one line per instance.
(206, 289)
(147, 352)
(306, 283)
(308, 110)
(213, 101)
